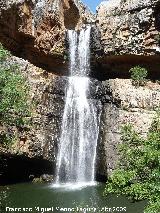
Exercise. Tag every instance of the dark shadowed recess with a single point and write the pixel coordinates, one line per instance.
(19, 169)
(14, 168)
(110, 67)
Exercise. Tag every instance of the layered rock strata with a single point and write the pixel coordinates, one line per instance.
(127, 105)
(130, 35)
(36, 29)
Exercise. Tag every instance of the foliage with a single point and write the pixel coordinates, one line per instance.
(3, 199)
(138, 171)
(3, 53)
(6, 139)
(13, 96)
(138, 76)
(157, 38)
(14, 106)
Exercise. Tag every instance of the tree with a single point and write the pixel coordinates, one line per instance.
(138, 171)
(138, 76)
(14, 91)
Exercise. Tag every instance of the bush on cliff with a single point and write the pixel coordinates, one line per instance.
(138, 76)
(138, 172)
(14, 107)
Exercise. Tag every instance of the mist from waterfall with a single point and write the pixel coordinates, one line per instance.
(79, 131)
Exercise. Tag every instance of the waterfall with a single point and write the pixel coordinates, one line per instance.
(79, 131)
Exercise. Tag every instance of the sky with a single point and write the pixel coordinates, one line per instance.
(92, 4)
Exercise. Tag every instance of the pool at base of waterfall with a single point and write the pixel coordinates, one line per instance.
(43, 198)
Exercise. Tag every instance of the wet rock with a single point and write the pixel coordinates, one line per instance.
(37, 180)
(59, 87)
(95, 42)
(47, 178)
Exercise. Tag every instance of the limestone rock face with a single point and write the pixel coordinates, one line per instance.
(129, 27)
(36, 29)
(129, 32)
(33, 152)
(128, 104)
(39, 138)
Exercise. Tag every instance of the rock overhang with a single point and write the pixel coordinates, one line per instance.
(36, 30)
(123, 34)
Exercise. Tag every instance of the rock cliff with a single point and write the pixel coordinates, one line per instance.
(38, 142)
(33, 153)
(130, 35)
(36, 29)
(127, 105)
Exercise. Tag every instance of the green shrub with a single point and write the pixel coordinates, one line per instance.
(138, 171)
(3, 54)
(6, 139)
(138, 76)
(14, 91)
(13, 96)
(157, 38)
(4, 199)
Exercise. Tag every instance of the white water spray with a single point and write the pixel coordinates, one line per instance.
(79, 134)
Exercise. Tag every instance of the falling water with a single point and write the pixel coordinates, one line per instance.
(78, 141)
